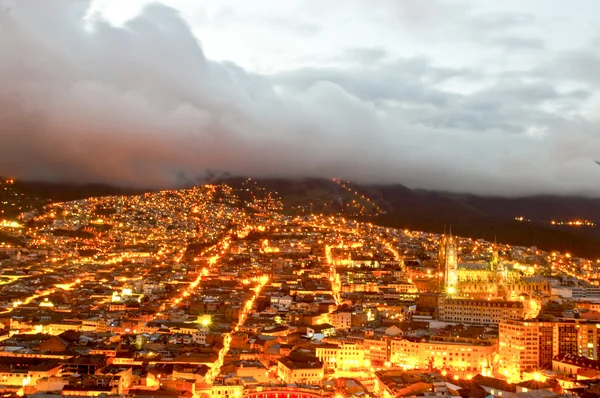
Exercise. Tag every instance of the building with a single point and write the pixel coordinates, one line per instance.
(25, 374)
(448, 258)
(447, 353)
(300, 369)
(576, 337)
(493, 279)
(376, 351)
(281, 302)
(342, 355)
(340, 319)
(530, 345)
(573, 365)
(525, 346)
(479, 311)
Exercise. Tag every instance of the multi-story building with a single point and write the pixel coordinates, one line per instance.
(585, 292)
(525, 345)
(448, 353)
(576, 337)
(342, 355)
(529, 345)
(376, 351)
(340, 320)
(481, 312)
(403, 287)
(451, 353)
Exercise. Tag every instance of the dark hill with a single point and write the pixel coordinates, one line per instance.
(388, 205)
(470, 215)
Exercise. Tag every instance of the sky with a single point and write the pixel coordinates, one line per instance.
(491, 98)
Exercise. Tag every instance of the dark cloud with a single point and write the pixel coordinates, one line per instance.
(138, 104)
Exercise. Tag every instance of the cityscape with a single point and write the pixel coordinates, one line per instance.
(187, 292)
(299, 199)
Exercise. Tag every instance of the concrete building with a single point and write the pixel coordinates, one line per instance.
(525, 346)
(340, 320)
(342, 355)
(529, 345)
(450, 353)
(306, 370)
(480, 312)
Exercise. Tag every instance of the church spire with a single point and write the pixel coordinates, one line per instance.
(495, 261)
(442, 250)
(450, 264)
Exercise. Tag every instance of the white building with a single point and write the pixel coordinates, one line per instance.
(340, 320)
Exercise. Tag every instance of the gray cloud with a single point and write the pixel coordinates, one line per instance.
(518, 43)
(500, 21)
(364, 55)
(91, 102)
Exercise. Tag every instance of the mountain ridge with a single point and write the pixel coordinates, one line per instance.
(398, 206)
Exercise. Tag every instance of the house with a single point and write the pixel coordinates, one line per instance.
(300, 369)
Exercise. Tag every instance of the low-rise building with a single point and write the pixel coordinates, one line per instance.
(300, 369)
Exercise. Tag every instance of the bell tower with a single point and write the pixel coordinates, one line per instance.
(495, 261)
(450, 264)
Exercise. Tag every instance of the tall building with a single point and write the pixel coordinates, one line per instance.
(448, 260)
(530, 345)
(577, 337)
(495, 262)
(525, 346)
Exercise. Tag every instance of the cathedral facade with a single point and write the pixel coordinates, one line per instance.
(494, 279)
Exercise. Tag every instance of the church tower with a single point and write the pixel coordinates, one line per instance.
(442, 251)
(495, 261)
(450, 265)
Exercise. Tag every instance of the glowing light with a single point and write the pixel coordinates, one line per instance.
(10, 224)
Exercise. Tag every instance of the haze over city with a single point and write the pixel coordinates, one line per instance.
(470, 96)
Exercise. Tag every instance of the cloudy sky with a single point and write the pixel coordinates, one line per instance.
(472, 96)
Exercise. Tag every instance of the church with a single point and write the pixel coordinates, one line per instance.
(489, 280)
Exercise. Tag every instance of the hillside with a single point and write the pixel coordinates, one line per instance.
(470, 215)
(388, 205)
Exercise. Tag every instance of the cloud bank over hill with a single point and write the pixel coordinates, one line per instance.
(84, 100)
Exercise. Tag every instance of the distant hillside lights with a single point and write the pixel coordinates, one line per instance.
(10, 224)
(571, 223)
(265, 248)
(574, 223)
